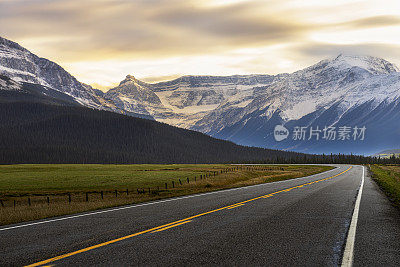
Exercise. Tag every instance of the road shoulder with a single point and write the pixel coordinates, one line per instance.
(378, 229)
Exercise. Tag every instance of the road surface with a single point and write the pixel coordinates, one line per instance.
(298, 222)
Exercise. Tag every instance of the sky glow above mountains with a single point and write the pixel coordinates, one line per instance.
(100, 42)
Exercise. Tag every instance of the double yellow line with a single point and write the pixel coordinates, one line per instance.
(177, 223)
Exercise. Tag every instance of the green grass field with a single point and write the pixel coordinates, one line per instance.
(30, 192)
(388, 178)
(18, 179)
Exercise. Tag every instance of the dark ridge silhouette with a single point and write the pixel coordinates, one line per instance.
(42, 133)
(35, 132)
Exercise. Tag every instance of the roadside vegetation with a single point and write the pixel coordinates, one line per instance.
(30, 192)
(388, 178)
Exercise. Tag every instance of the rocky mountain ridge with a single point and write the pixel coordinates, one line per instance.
(243, 108)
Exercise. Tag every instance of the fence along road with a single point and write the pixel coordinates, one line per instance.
(302, 221)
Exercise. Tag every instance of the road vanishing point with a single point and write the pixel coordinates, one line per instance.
(336, 218)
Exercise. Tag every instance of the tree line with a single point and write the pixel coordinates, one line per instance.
(42, 133)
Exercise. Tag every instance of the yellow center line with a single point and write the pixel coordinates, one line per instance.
(173, 224)
(267, 196)
(232, 207)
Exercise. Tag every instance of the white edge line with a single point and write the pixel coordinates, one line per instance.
(157, 202)
(351, 236)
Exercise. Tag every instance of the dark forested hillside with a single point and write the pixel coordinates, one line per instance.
(41, 133)
(44, 133)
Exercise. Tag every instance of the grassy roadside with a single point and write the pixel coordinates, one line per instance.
(31, 192)
(388, 178)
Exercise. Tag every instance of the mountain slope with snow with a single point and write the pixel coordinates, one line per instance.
(319, 86)
(246, 108)
(328, 93)
(347, 89)
(184, 101)
(24, 69)
(21, 65)
(22, 92)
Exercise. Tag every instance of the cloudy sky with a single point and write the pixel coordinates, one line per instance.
(101, 41)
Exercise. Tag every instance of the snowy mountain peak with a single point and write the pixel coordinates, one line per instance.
(129, 78)
(21, 65)
(7, 43)
(373, 65)
(351, 90)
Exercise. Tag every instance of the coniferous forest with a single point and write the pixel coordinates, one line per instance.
(46, 133)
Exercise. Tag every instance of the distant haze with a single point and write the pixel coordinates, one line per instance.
(100, 42)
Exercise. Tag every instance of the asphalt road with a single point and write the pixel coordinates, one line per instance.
(299, 222)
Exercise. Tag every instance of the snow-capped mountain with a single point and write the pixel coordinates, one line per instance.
(347, 89)
(21, 65)
(347, 79)
(12, 91)
(344, 91)
(134, 96)
(184, 101)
